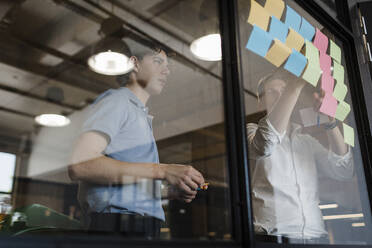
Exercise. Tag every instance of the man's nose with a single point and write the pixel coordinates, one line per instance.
(166, 71)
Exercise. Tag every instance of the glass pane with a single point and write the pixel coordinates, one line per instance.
(136, 88)
(308, 183)
(7, 163)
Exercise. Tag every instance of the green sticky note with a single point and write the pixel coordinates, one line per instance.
(348, 134)
(312, 73)
(338, 72)
(340, 91)
(312, 53)
(343, 109)
(334, 51)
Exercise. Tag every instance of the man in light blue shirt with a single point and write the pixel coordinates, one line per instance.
(116, 159)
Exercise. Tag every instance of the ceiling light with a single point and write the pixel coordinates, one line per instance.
(342, 216)
(110, 63)
(359, 224)
(52, 120)
(327, 206)
(207, 47)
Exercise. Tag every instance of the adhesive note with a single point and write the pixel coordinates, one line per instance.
(259, 42)
(334, 51)
(294, 40)
(278, 29)
(310, 118)
(325, 63)
(293, 19)
(278, 53)
(338, 72)
(340, 91)
(321, 41)
(275, 7)
(343, 109)
(296, 63)
(348, 134)
(327, 83)
(312, 53)
(258, 16)
(306, 30)
(329, 105)
(312, 73)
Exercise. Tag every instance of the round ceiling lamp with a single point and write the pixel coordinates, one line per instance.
(109, 55)
(52, 120)
(110, 63)
(207, 48)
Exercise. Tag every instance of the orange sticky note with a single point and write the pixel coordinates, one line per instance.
(275, 7)
(294, 40)
(258, 16)
(278, 53)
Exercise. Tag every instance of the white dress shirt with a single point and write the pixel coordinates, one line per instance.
(284, 174)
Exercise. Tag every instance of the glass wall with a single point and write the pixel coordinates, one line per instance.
(308, 183)
(115, 112)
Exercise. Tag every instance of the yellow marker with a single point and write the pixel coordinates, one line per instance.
(278, 53)
(204, 186)
(275, 7)
(294, 40)
(258, 15)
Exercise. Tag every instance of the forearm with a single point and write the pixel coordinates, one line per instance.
(280, 114)
(336, 141)
(105, 170)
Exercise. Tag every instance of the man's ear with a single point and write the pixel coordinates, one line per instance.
(135, 62)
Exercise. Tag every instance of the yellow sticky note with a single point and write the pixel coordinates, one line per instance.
(312, 73)
(343, 109)
(312, 53)
(340, 91)
(278, 53)
(275, 7)
(348, 134)
(258, 16)
(334, 51)
(294, 40)
(338, 72)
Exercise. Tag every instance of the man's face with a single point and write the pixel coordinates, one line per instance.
(153, 72)
(273, 91)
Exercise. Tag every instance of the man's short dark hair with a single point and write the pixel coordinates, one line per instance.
(140, 51)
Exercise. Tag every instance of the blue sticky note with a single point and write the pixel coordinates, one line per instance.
(306, 30)
(296, 63)
(278, 29)
(293, 19)
(259, 42)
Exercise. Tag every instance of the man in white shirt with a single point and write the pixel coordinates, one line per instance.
(285, 163)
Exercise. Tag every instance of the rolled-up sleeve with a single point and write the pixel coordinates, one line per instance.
(262, 138)
(339, 167)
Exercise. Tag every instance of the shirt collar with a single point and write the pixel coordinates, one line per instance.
(135, 100)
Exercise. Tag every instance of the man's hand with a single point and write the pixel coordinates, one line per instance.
(175, 193)
(185, 178)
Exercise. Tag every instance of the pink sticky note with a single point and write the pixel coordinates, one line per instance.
(329, 105)
(328, 83)
(321, 41)
(325, 63)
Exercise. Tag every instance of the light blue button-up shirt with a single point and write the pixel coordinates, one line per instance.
(125, 120)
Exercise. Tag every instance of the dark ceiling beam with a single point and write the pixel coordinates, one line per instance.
(80, 10)
(11, 54)
(12, 111)
(37, 97)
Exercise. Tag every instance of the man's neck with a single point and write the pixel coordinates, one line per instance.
(142, 94)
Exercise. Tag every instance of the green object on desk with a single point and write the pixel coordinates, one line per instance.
(39, 218)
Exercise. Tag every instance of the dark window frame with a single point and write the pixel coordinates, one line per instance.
(236, 144)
